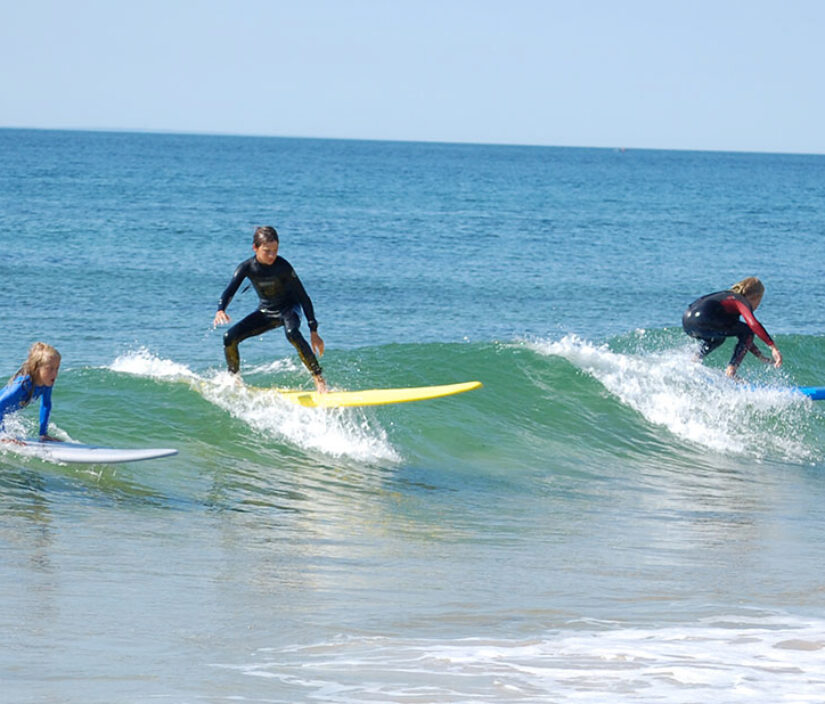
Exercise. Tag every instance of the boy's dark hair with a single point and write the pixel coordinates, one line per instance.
(265, 233)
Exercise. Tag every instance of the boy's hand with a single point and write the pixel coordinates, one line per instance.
(317, 343)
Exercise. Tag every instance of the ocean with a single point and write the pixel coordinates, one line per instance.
(604, 521)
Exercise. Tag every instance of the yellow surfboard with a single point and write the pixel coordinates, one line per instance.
(373, 397)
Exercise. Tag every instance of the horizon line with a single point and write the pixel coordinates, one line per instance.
(207, 133)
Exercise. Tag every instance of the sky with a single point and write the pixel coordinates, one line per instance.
(667, 74)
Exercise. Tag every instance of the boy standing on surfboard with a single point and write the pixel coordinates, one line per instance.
(280, 292)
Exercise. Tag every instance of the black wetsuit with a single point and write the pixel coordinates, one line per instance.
(713, 318)
(281, 293)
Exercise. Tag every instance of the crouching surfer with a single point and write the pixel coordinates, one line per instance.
(713, 318)
(281, 293)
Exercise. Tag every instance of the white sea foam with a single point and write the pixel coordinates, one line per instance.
(144, 363)
(339, 433)
(19, 425)
(725, 661)
(694, 402)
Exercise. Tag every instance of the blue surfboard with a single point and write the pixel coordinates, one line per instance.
(815, 393)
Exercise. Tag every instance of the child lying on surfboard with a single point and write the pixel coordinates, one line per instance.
(34, 379)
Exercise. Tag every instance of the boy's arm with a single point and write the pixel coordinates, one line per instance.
(306, 304)
(228, 293)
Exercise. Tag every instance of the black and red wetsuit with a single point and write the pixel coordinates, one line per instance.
(281, 293)
(713, 318)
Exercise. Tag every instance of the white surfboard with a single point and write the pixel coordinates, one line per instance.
(76, 453)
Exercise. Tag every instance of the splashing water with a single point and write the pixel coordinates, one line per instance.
(335, 432)
(694, 402)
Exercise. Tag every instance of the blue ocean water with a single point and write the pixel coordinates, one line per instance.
(604, 521)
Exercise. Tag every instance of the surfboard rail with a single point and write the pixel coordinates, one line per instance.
(79, 453)
(815, 393)
(373, 397)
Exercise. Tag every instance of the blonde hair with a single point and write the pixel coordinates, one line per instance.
(749, 287)
(40, 354)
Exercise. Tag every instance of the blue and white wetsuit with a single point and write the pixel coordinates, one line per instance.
(19, 393)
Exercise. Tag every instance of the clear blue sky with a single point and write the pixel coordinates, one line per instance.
(683, 74)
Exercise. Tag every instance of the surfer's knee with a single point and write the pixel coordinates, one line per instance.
(293, 334)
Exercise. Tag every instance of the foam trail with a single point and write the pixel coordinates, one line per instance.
(694, 402)
(730, 660)
(339, 433)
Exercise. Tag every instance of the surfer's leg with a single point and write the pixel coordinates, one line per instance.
(745, 335)
(709, 338)
(292, 324)
(253, 324)
(707, 345)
